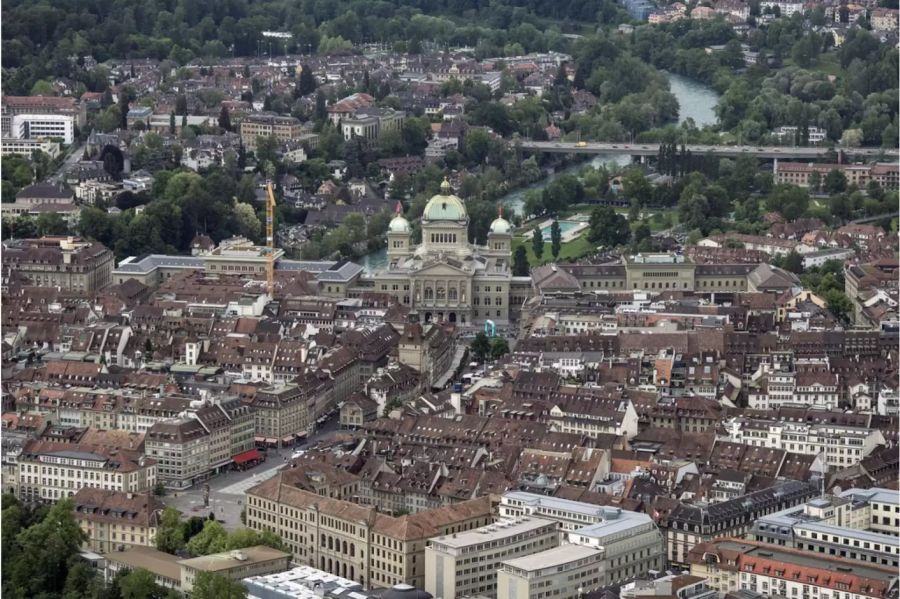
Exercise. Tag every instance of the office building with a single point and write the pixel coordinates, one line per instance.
(565, 571)
(43, 126)
(67, 262)
(466, 563)
(354, 541)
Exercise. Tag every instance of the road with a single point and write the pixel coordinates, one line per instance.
(227, 491)
(652, 149)
(74, 155)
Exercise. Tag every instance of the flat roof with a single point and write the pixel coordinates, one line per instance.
(550, 558)
(853, 533)
(158, 562)
(578, 507)
(875, 494)
(817, 562)
(493, 532)
(229, 559)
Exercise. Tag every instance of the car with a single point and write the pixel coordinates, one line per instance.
(615, 147)
(581, 144)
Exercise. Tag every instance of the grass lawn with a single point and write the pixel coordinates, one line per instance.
(572, 250)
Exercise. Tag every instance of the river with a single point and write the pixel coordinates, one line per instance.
(696, 101)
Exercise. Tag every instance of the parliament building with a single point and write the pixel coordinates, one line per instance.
(446, 278)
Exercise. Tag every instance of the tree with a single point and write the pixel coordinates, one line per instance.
(140, 584)
(815, 181)
(793, 262)
(170, 533)
(212, 539)
(224, 119)
(123, 109)
(835, 182)
(45, 550)
(481, 347)
(171, 123)
(247, 222)
(838, 304)
(852, 138)
(520, 262)
(499, 348)
(789, 201)
(636, 186)
(607, 227)
(321, 110)
(307, 82)
(51, 223)
(209, 585)
(181, 106)
(537, 242)
(555, 239)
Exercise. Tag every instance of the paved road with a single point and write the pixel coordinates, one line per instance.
(652, 149)
(74, 155)
(227, 491)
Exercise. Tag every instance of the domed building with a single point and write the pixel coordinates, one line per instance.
(447, 278)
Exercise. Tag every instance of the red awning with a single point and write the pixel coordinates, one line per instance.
(247, 456)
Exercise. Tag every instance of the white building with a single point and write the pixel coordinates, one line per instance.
(49, 126)
(25, 147)
(465, 563)
(630, 542)
(565, 571)
(840, 445)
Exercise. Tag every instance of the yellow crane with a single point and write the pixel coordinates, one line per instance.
(270, 240)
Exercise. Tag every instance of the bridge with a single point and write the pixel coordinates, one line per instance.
(652, 149)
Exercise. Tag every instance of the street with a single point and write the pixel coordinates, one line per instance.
(74, 155)
(227, 491)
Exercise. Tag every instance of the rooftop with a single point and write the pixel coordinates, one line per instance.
(217, 562)
(502, 529)
(558, 556)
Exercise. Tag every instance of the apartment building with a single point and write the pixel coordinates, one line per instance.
(71, 263)
(732, 565)
(283, 128)
(353, 541)
(465, 564)
(116, 520)
(565, 571)
(43, 126)
(48, 471)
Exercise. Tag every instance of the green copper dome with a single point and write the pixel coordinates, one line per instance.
(445, 206)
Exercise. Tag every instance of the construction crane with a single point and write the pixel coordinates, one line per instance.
(270, 240)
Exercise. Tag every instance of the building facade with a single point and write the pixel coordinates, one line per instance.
(116, 520)
(447, 278)
(354, 541)
(67, 262)
(465, 564)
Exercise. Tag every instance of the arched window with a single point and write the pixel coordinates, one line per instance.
(451, 294)
(429, 293)
(440, 293)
